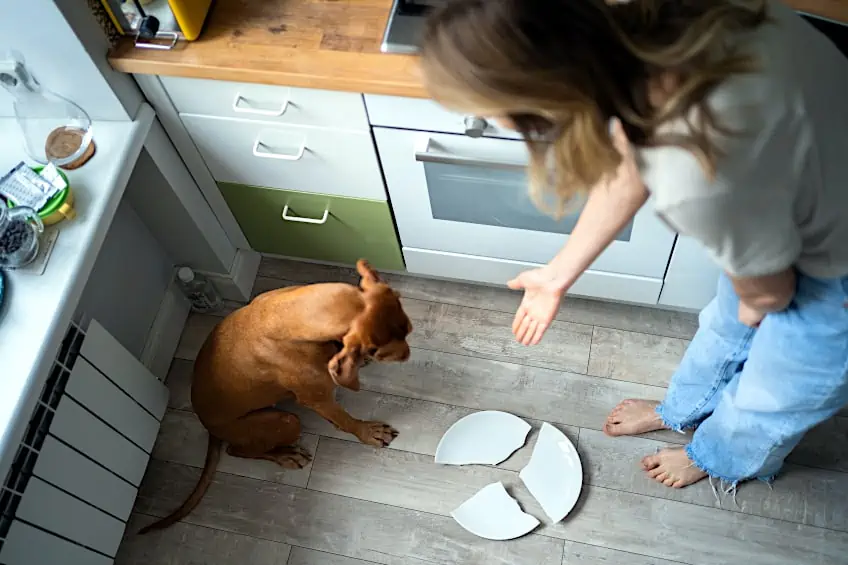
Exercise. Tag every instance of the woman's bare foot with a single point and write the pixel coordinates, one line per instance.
(672, 468)
(632, 417)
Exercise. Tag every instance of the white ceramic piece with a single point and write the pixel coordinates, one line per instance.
(493, 514)
(554, 475)
(484, 438)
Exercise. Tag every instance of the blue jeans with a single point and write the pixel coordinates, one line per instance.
(750, 393)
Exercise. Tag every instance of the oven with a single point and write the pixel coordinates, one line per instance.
(458, 190)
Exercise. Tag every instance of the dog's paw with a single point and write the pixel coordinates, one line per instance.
(293, 458)
(377, 434)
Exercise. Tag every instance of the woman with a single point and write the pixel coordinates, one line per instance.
(733, 118)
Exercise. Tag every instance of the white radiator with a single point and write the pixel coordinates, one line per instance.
(75, 476)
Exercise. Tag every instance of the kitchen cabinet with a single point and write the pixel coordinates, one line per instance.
(692, 277)
(302, 172)
(316, 226)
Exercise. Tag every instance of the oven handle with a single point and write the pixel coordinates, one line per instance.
(430, 156)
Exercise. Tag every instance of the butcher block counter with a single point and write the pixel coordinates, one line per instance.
(321, 44)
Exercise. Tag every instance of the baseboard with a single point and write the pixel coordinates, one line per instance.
(164, 335)
(237, 285)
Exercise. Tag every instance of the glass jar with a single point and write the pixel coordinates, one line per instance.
(19, 231)
(55, 129)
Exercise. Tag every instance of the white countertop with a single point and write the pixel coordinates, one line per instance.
(36, 310)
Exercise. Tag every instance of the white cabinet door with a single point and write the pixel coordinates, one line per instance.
(692, 277)
(455, 194)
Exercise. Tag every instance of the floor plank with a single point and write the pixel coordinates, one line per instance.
(635, 357)
(627, 522)
(334, 524)
(825, 446)
(802, 494)
(488, 334)
(197, 329)
(266, 284)
(697, 535)
(529, 392)
(455, 329)
(579, 310)
(301, 556)
(306, 273)
(582, 554)
(397, 478)
(178, 382)
(182, 439)
(187, 544)
(421, 423)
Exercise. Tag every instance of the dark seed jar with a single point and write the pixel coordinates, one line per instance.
(19, 230)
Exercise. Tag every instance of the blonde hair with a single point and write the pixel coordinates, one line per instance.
(561, 69)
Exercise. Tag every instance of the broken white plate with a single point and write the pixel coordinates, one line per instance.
(493, 514)
(483, 438)
(554, 475)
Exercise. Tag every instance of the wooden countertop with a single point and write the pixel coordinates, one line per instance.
(325, 44)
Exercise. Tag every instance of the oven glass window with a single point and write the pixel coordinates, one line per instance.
(491, 197)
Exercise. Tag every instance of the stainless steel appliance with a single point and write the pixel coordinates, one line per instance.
(405, 25)
(407, 20)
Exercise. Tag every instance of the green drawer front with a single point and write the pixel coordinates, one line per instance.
(354, 228)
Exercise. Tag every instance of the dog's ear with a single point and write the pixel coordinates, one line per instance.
(369, 275)
(344, 366)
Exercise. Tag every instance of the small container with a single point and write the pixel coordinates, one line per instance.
(58, 208)
(19, 231)
(54, 128)
(199, 290)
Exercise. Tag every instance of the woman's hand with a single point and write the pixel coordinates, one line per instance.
(543, 291)
(609, 207)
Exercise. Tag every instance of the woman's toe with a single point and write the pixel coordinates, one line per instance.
(650, 462)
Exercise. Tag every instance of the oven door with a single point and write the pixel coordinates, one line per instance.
(459, 195)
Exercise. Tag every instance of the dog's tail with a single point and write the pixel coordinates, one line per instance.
(213, 455)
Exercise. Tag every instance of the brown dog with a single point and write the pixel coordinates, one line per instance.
(298, 342)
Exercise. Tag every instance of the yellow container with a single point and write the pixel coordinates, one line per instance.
(183, 17)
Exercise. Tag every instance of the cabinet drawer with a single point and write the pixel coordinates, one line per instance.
(280, 104)
(315, 226)
(255, 153)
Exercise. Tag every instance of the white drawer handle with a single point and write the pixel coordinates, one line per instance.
(282, 156)
(301, 220)
(279, 112)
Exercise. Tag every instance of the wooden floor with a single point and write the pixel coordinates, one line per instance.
(355, 505)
